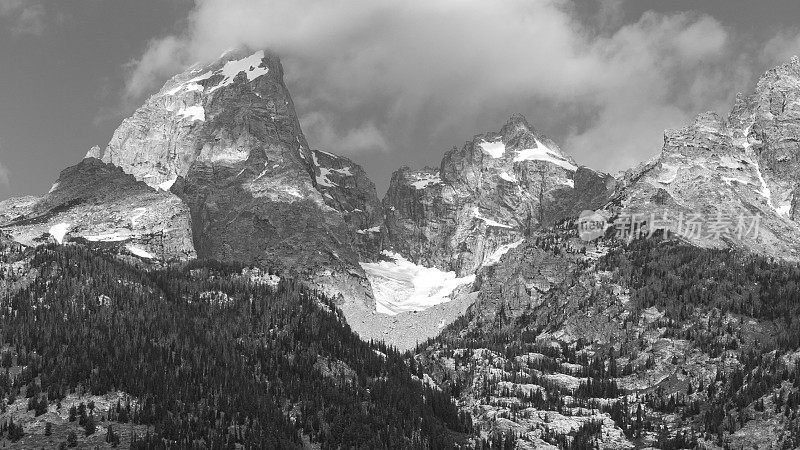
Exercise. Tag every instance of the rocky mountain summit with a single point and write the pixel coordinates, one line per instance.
(219, 151)
(729, 174)
(487, 196)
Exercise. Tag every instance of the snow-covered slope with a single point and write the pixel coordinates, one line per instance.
(400, 285)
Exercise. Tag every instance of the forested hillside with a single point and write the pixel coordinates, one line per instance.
(651, 344)
(654, 343)
(201, 354)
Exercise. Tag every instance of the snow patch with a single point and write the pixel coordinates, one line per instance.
(251, 66)
(108, 237)
(375, 229)
(167, 185)
(507, 177)
(292, 191)
(324, 172)
(730, 180)
(494, 258)
(400, 285)
(490, 222)
(731, 163)
(329, 154)
(139, 252)
(494, 149)
(765, 191)
(323, 180)
(543, 153)
(59, 231)
(231, 156)
(193, 113)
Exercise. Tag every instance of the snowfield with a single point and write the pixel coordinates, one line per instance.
(400, 285)
(543, 153)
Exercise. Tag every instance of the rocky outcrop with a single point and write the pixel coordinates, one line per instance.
(490, 193)
(770, 124)
(347, 188)
(729, 182)
(99, 203)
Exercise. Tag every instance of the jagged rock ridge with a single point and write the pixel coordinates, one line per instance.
(721, 170)
(490, 193)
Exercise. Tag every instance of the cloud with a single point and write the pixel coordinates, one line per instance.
(319, 127)
(162, 58)
(27, 17)
(783, 45)
(418, 77)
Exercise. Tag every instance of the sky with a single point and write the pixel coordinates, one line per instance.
(389, 83)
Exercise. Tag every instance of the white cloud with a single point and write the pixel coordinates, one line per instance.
(162, 58)
(365, 138)
(425, 75)
(782, 46)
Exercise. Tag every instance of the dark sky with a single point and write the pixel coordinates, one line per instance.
(390, 83)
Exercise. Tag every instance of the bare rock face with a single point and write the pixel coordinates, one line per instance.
(731, 174)
(491, 193)
(770, 124)
(225, 138)
(100, 203)
(346, 188)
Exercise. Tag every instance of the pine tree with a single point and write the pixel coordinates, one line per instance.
(89, 426)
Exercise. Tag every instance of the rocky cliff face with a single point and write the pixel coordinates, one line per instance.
(491, 193)
(730, 174)
(100, 203)
(770, 124)
(346, 188)
(229, 135)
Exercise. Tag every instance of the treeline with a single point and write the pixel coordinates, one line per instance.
(214, 360)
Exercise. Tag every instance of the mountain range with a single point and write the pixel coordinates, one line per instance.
(475, 268)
